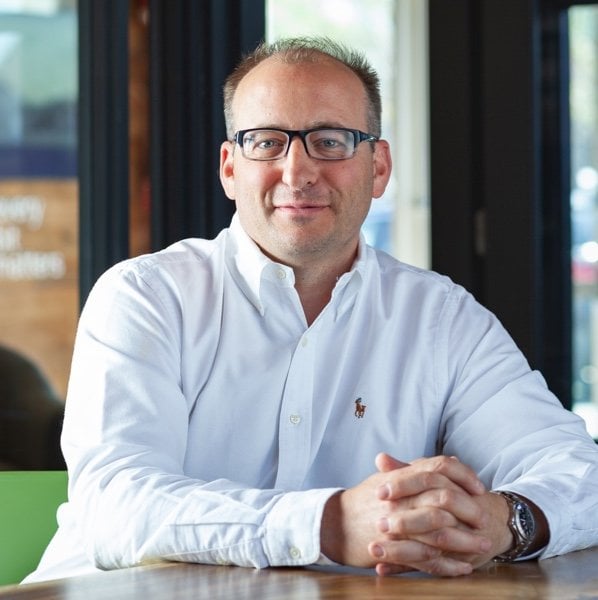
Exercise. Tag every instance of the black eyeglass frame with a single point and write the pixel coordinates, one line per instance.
(358, 137)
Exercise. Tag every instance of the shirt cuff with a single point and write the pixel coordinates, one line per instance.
(531, 556)
(292, 528)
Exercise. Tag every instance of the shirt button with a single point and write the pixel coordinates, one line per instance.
(295, 419)
(295, 552)
(304, 341)
(281, 274)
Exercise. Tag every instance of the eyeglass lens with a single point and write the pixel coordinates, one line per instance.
(325, 144)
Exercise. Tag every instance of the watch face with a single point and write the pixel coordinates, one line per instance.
(525, 520)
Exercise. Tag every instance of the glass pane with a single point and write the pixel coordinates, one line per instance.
(583, 35)
(399, 221)
(38, 224)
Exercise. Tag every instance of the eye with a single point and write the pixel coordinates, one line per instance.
(268, 144)
(264, 144)
(327, 143)
(330, 143)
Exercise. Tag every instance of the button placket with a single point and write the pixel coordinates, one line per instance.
(296, 413)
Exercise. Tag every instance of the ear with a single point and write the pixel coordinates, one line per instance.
(382, 167)
(227, 170)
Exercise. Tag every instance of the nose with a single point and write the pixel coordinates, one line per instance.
(299, 169)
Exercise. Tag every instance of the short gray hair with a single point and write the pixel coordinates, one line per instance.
(308, 49)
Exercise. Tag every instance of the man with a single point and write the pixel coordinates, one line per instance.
(287, 395)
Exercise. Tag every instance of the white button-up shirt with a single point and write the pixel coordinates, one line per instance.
(205, 421)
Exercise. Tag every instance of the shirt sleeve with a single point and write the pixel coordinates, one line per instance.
(124, 439)
(501, 419)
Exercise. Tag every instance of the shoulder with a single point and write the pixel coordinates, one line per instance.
(402, 276)
(171, 276)
(420, 293)
(185, 259)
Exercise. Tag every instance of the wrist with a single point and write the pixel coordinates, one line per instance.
(331, 537)
(527, 526)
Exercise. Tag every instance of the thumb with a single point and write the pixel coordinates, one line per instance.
(385, 463)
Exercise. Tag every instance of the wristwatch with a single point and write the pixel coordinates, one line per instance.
(522, 525)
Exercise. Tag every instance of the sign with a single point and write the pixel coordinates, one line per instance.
(39, 302)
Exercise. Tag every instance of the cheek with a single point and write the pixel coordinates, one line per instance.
(255, 180)
(358, 182)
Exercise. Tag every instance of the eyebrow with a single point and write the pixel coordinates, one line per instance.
(316, 125)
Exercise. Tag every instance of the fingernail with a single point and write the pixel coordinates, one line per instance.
(377, 551)
(384, 492)
(383, 525)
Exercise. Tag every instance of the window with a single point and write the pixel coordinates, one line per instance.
(583, 104)
(38, 183)
(392, 34)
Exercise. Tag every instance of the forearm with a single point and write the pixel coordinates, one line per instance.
(138, 518)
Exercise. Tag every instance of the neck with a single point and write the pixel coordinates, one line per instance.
(314, 288)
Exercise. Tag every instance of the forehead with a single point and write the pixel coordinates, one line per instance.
(300, 94)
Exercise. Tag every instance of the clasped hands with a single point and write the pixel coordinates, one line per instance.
(432, 515)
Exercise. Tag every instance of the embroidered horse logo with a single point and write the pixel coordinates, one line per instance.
(359, 408)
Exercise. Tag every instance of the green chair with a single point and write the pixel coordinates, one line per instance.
(28, 503)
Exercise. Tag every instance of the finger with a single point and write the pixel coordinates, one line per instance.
(403, 552)
(452, 468)
(422, 475)
(415, 555)
(460, 505)
(406, 482)
(453, 540)
(385, 569)
(385, 463)
(442, 566)
(407, 523)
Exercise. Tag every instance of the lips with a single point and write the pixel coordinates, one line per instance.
(300, 206)
(301, 203)
(300, 210)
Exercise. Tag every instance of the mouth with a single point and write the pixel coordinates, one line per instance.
(300, 206)
(300, 210)
(304, 204)
(300, 203)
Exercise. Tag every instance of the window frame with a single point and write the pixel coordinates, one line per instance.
(500, 168)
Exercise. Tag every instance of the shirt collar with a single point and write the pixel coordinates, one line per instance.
(247, 262)
(251, 266)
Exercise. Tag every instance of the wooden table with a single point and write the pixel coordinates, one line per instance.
(574, 576)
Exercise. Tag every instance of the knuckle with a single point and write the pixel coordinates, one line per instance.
(439, 464)
(399, 525)
(430, 553)
(444, 498)
(435, 567)
(447, 498)
(441, 538)
(428, 479)
(437, 519)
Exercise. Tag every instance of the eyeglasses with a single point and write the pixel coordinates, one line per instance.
(323, 143)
